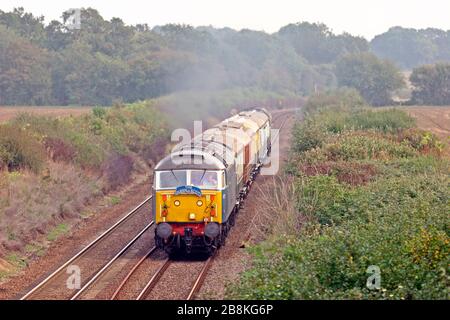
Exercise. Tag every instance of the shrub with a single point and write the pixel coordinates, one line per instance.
(344, 98)
(401, 227)
(421, 140)
(384, 120)
(118, 171)
(362, 146)
(307, 136)
(19, 149)
(352, 173)
(369, 192)
(59, 150)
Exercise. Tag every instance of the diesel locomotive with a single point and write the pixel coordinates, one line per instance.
(200, 186)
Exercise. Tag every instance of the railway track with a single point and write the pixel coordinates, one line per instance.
(50, 282)
(160, 272)
(165, 265)
(200, 279)
(57, 279)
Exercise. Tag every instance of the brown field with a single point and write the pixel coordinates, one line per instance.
(434, 119)
(7, 113)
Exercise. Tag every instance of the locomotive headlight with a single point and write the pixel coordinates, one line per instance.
(199, 203)
(177, 203)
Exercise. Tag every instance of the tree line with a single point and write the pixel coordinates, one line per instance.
(109, 60)
(410, 48)
(105, 61)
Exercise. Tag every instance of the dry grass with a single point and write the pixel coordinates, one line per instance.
(277, 214)
(8, 113)
(33, 204)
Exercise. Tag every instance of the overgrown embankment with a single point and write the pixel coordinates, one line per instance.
(365, 192)
(52, 169)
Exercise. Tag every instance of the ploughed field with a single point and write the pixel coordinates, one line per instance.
(434, 119)
(7, 113)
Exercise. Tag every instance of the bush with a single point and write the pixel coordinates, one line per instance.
(59, 150)
(307, 136)
(118, 170)
(343, 98)
(368, 192)
(421, 140)
(90, 140)
(352, 173)
(19, 149)
(401, 227)
(363, 146)
(391, 120)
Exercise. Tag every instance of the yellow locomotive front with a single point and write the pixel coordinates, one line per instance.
(188, 207)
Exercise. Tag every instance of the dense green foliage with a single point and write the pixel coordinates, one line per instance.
(18, 149)
(318, 44)
(89, 141)
(368, 191)
(410, 48)
(373, 78)
(24, 71)
(106, 61)
(431, 84)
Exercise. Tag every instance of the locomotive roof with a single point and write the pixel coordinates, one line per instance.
(190, 159)
(215, 148)
(258, 116)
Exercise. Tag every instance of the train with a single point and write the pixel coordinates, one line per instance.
(201, 185)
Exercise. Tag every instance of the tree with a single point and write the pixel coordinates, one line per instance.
(24, 71)
(109, 60)
(317, 44)
(431, 84)
(25, 25)
(410, 48)
(375, 79)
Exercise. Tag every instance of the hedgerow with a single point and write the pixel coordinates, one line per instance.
(371, 190)
(96, 137)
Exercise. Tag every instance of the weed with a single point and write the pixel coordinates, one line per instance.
(57, 231)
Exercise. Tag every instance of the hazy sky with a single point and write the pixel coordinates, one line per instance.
(359, 17)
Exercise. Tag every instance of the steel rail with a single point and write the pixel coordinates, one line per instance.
(85, 249)
(114, 259)
(154, 280)
(132, 271)
(200, 279)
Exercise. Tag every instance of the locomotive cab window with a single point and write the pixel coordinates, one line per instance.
(206, 179)
(171, 179)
